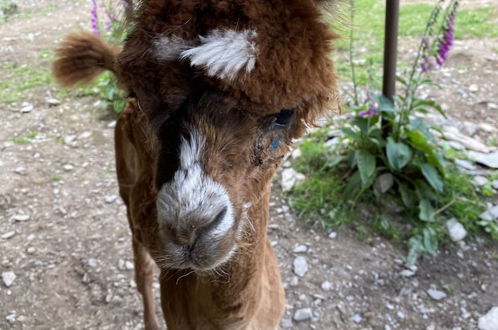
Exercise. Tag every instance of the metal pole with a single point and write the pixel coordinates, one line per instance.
(390, 48)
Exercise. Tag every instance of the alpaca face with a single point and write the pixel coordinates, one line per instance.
(225, 99)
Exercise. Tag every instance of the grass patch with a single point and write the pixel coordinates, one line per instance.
(20, 78)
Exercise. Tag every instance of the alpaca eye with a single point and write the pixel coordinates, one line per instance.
(283, 118)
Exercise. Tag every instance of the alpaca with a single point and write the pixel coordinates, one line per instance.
(218, 90)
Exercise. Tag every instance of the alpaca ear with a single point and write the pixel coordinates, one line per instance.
(224, 54)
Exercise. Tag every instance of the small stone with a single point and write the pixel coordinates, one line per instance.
(68, 167)
(8, 278)
(110, 198)
(20, 170)
(332, 143)
(490, 214)
(456, 145)
(286, 323)
(326, 286)
(469, 128)
(8, 235)
(112, 124)
(300, 266)
(300, 248)
(69, 139)
(480, 180)
(436, 294)
(333, 234)
(11, 318)
(21, 217)
(465, 164)
(495, 184)
(129, 265)
(486, 127)
(487, 159)
(407, 273)
(290, 178)
(52, 102)
(492, 105)
(31, 250)
(92, 262)
(456, 231)
(489, 321)
(296, 153)
(27, 108)
(357, 318)
(84, 135)
(294, 281)
(383, 183)
(302, 314)
(473, 88)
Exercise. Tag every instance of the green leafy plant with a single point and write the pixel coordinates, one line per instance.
(389, 157)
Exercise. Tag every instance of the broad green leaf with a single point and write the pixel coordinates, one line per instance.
(361, 123)
(419, 141)
(426, 211)
(350, 134)
(333, 160)
(385, 105)
(366, 165)
(398, 154)
(408, 196)
(430, 240)
(420, 103)
(401, 80)
(353, 186)
(432, 176)
(424, 191)
(421, 126)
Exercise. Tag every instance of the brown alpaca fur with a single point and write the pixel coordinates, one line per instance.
(235, 282)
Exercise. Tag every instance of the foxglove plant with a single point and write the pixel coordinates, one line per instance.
(386, 140)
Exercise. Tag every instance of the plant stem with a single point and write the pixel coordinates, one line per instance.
(351, 54)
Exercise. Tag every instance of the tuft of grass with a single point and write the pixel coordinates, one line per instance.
(18, 79)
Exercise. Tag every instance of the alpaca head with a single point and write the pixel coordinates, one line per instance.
(226, 86)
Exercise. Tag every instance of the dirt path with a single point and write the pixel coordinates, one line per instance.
(63, 231)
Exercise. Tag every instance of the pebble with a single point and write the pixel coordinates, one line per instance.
(92, 262)
(8, 235)
(465, 164)
(456, 231)
(8, 278)
(480, 180)
(495, 184)
(487, 159)
(302, 314)
(290, 178)
(489, 321)
(473, 88)
(20, 170)
(296, 153)
(21, 217)
(300, 266)
(27, 108)
(407, 273)
(333, 234)
(490, 214)
(300, 248)
(436, 294)
(486, 127)
(129, 265)
(110, 198)
(357, 318)
(112, 124)
(326, 286)
(52, 102)
(11, 317)
(68, 167)
(69, 139)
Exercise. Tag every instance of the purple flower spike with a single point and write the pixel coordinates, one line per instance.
(447, 41)
(372, 111)
(94, 18)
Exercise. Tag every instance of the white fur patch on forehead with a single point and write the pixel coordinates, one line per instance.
(224, 54)
(170, 48)
(191, 193)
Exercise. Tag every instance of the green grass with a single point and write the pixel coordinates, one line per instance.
(369, 33)
(20, 78)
